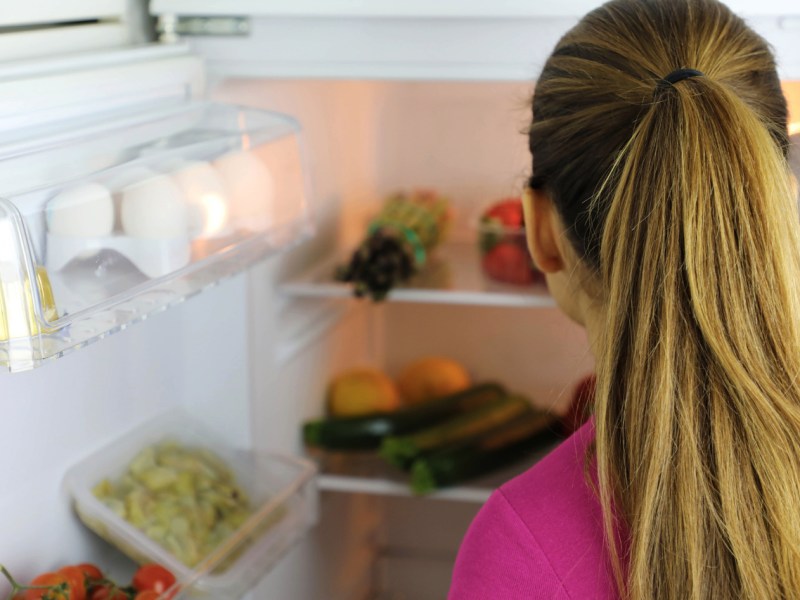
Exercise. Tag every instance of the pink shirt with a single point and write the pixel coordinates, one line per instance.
(538, 537)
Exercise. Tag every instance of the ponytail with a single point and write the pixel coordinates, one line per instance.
(689, 223)
(701, 410)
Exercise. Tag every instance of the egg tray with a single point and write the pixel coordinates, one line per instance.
(153, 257)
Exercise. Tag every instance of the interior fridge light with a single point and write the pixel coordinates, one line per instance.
(205, 197)
(216, 213)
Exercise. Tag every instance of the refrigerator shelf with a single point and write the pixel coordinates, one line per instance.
(106, 221)
(367, 473)
(385, 487)
(452, 276)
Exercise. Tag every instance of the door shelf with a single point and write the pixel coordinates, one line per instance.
(453, 276)
(108, 220)
(367, 473)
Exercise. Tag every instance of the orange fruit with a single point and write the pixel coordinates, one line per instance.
(432, 377)
(362, 391)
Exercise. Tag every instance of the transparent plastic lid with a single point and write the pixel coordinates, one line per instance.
(107, 222)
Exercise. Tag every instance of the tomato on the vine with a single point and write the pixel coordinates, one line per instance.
(154, 578)
(90, 570)
(147, 595)
(105, 593)
(76, 580)
(45, 580)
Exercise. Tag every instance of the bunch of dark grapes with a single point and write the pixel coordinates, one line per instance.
(382, 261)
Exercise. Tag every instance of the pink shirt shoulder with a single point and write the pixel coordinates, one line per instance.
(539, 537)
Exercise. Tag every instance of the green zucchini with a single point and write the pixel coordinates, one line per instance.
(402, 450)
(365, 433)
(479, 455)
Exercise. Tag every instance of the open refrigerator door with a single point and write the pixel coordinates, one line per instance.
(124, 194)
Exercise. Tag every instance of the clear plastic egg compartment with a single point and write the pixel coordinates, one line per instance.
(109, 221)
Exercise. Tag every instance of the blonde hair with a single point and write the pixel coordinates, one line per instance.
(677, 198)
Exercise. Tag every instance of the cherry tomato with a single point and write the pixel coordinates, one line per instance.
(76, 580)
(147, 595)
(153, 577)
(47, 579)
(90, 570)
(105, 593)
(91, 576)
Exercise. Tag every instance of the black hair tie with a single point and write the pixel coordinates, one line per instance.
(679, 75)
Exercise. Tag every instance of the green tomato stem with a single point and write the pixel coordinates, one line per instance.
(8, 576)
(17, 588)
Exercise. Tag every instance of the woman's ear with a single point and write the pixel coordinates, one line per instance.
(542, 228)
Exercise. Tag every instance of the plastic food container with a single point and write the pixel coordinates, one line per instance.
(282, 494)
(503, 245)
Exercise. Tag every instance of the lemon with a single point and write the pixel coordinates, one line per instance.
(362, 391)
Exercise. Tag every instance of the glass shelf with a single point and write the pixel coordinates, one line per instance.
(453, 276)
(106, 221)
(367, 473)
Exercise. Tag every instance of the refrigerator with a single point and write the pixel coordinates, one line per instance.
(374, 97)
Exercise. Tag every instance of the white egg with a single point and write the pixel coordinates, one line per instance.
(250, 187)
(86, 210)
(204, 192)
(154, 208)
(123, 178)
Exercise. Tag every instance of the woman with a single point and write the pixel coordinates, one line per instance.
(662, 211)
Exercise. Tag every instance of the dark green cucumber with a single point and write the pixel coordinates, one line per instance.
(364, 433)
(477, 456)
(402, 450)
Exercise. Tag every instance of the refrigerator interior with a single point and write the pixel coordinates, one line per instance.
(254, 362)
(368, 139)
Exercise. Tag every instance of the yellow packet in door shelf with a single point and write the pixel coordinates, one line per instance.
(17, 312)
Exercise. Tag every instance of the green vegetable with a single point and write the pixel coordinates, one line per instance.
(402, 450)
(364, 433)
(397, 243)
(476, 456)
